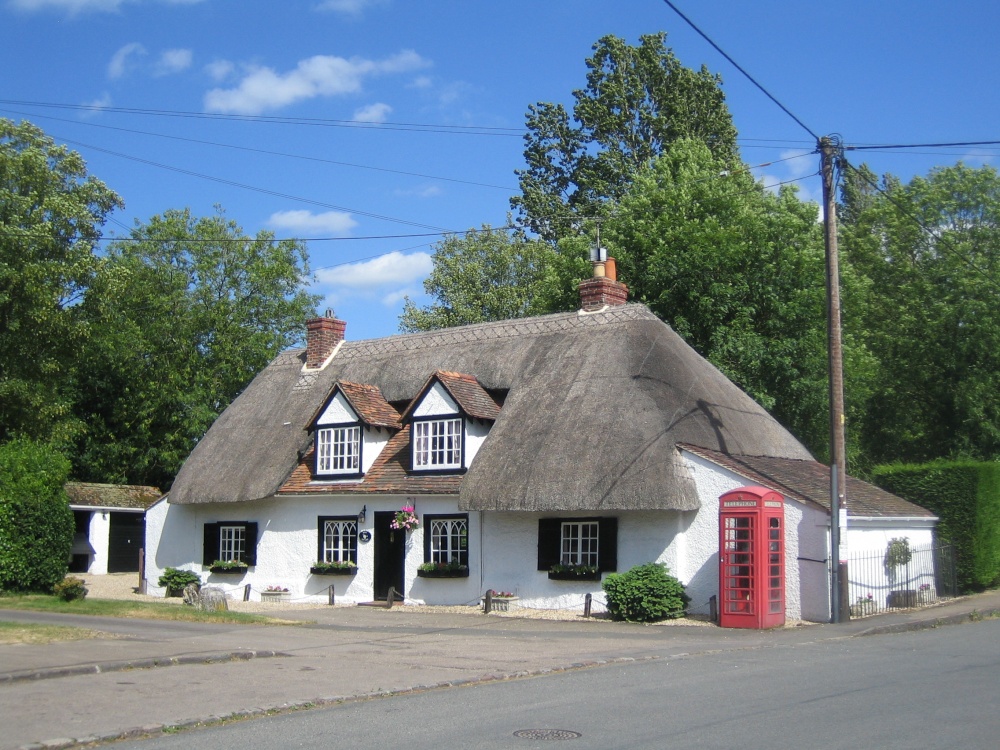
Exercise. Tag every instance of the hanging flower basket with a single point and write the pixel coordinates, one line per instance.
(406, 519)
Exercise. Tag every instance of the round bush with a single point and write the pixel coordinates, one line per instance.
(36, 524)
(175, 580)
(646, 593)
(70, 588)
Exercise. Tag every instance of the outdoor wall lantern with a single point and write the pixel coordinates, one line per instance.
(361, 515)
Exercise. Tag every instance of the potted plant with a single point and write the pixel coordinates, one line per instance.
(406, 519)
(568, 572)
(274, 594)
(174, 580)
(500, 600)
(451, 569)
(228, 566)
(334, 568)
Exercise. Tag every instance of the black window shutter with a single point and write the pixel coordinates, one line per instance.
(250, 556)
(427, 540)
(320, 537)
(607, 545)
(549, 542)
(210, 552)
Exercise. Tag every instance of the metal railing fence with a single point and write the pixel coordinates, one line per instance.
(876, 586)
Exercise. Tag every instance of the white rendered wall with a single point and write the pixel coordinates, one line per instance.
(867, 541)
(100, 538)
(475, 436)
(338, 411)
(436, 403)
(287, 545)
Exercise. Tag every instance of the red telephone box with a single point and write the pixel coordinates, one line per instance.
(751, 558)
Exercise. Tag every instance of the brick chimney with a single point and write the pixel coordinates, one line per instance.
(322, 336)
(604, 289)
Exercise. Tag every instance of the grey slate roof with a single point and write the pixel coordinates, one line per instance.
(595, 405)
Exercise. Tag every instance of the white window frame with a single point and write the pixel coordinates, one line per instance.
(437, 444)
(338, 450)
(340, 540)
(232, 543)
(579, 542)
(447, 535)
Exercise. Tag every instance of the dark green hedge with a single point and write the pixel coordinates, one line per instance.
(36, 524)
(966, 497)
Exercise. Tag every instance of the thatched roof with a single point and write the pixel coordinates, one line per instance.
(595, 405)
(125, 496)
(809, 481)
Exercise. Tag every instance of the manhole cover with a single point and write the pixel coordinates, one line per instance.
(547, 734)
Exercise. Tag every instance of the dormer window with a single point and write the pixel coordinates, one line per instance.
(351, 428)
(437, 444)
(338, 450)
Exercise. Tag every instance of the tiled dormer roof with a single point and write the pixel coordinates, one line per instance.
(470, 396)
(370, 405)
(388, 475)
(809, 481)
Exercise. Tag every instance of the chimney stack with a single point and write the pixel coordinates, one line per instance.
(604, 289)
(322, 336)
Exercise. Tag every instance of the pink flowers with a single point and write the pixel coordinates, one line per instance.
(406, 519)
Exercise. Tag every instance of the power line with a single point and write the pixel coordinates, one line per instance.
(922, 145)
(260, 151)
(736, 65)
(273, 120)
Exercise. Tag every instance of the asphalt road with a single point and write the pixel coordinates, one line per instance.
(928, 689)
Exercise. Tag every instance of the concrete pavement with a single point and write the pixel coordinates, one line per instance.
(154, 675)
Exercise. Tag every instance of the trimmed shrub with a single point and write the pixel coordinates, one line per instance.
(70, 588)
(36, 524)
(175, 580)
(646, 593)
(965, 495)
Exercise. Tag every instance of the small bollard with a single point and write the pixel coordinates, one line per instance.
(331, 596)
(488, 602)
(713, 608)
(587, 601)
(246, 593)
(390, 598)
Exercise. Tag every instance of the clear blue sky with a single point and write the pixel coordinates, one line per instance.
(284, 81)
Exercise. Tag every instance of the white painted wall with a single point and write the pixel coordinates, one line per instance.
(436, 403)
(338, 411)
(100, 537)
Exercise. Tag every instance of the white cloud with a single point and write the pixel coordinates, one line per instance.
(121, 60)
(421, 191)
(334, 222)
(173, 61)
(377, 112)
(220, 70)
(421, 82)
(391, 270)
(394, 298)
(322, 75)
(83, 6)
(349, 7)
(96, 105)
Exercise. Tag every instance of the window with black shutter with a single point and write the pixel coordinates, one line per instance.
(577, 542)
(230, 541)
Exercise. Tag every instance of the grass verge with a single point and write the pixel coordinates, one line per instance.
(32, 633)
(142, 610)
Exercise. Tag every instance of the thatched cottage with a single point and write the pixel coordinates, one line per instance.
(589, 441)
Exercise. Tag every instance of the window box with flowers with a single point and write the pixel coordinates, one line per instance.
(275, 594)
(443, 570)
(237, 567)
(561, 572)
(335, 568)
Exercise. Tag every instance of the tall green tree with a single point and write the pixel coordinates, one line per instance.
(483, 275)
(183, 314)
(51, 214)
(637, 102)
(738, 272)
(930, 251)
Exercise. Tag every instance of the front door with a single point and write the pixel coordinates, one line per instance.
(390, 555)
(125, 539)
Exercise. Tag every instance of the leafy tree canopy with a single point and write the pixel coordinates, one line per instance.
(183, 315)
(483, 275)
(930, 252)
(637, 102)
(51, 214)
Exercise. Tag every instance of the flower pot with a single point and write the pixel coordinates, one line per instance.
(572, 575)
(464, 573)
(501, 603)
(333, 571)
(275, 597)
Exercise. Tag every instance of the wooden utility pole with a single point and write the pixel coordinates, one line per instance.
(840, 609)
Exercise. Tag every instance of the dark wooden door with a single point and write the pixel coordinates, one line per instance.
(125, 539)
(390, 555)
